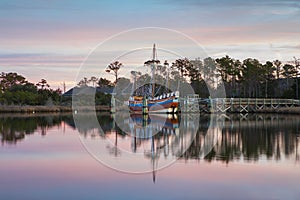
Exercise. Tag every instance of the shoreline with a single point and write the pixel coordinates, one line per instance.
(102, 108)
(47, 109)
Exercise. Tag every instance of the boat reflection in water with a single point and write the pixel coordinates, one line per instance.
(166, 127)
(173, 136)
(146, 143)
(143, 127)
(162, 138)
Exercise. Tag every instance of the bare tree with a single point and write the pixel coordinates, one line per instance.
(297, 64)
(93, 80)
(277, 64)
(83, 82)
(114, 68)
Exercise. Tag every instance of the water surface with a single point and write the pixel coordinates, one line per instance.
(252, 157)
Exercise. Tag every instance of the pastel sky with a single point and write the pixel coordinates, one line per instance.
(50, 39)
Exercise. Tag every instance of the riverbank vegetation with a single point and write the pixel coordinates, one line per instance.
(16, 90)
(17, 93)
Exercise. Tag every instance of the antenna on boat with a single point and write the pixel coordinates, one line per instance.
(154, 54)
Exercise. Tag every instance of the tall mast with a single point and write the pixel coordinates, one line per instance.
(154, 53)
(152, 63)
(153, 70)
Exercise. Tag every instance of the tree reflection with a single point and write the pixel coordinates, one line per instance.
(15, 128)
(249, 138)
(252, 138)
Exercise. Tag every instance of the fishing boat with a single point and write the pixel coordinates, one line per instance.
(163, 103)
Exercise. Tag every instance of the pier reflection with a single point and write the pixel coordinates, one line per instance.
(257, 137)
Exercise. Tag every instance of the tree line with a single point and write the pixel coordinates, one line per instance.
(16, 90)
(251, 78)
(248, 78)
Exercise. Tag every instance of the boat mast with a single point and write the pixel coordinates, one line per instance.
(153, 64)
(153, 158)
(154, 55)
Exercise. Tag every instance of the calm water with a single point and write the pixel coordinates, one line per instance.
(221, 157)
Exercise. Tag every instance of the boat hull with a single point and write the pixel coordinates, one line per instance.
(166, 105)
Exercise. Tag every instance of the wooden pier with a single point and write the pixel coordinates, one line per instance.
(193, 103)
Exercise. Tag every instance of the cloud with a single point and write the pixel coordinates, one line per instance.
(289, 46)
(57, 35)
(35, 60)
(35, 66)
(236, 3)
(36, 5)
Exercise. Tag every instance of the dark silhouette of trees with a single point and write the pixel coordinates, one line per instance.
(42, 84)
(268, 74)
(251, 78)
(7, 80)
(83, 82)
(230, 70)
(103, 82)
(182, 66)
(114, 69)
(16, 90)
(94, 80)
(247, 78)
(289, 71)
(277, 64)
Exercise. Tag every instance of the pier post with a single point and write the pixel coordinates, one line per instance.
(113, 103)
(255, 109)
(145, 106)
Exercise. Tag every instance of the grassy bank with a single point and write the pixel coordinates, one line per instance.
(46, 109)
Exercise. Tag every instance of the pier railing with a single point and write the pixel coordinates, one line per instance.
(196, 104)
